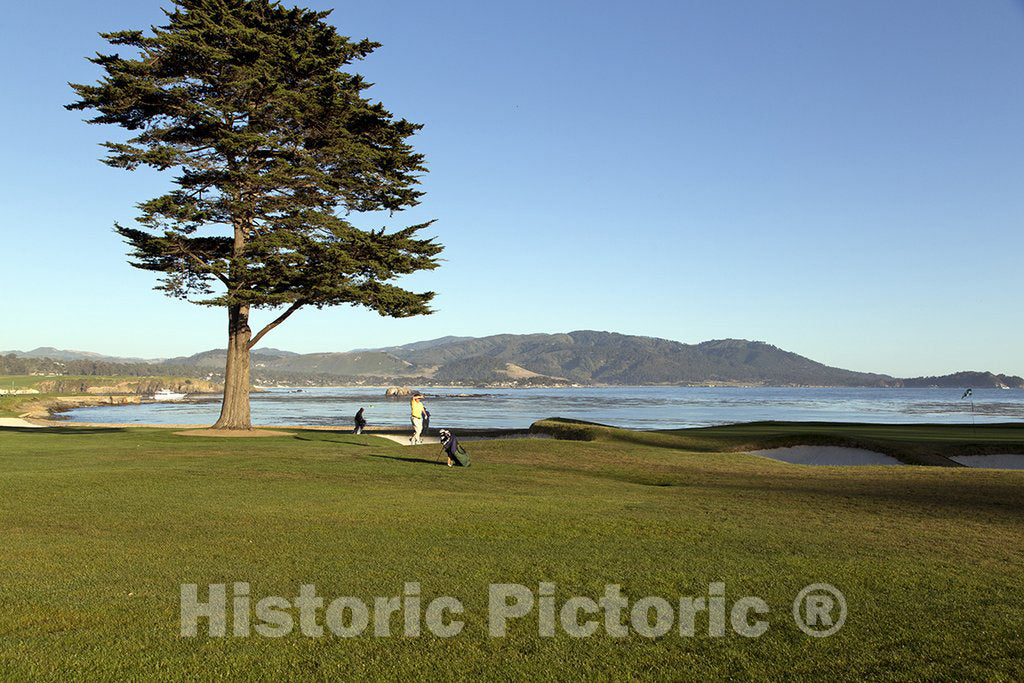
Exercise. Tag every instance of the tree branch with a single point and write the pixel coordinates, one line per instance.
(209, 268)
(277, 321)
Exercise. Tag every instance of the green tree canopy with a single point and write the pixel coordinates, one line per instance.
(274, 145)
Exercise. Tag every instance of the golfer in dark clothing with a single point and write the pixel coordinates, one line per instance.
(360, 422)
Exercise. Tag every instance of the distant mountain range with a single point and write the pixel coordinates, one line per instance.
(67, 354)
(343, 364)
(582, 358)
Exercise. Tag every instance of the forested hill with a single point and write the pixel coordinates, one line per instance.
(583, 357)
(587, 357)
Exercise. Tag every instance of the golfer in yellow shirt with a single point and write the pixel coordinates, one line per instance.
(417, 418)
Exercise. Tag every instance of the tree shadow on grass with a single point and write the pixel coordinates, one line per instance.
(401, 459)
(303, 436)
(72, 431)
(949, 496)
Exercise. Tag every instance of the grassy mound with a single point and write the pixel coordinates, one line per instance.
(914, 444)
(102, 526)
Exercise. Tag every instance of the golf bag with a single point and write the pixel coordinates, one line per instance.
(453, 449)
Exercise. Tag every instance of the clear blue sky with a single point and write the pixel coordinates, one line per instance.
(841, 179)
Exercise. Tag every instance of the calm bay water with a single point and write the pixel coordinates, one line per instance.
(637, 407)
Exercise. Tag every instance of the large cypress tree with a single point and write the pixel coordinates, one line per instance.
(273, 144)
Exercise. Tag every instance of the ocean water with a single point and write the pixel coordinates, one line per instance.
(635, 407)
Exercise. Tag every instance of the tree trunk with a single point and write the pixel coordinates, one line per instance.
(234, 412)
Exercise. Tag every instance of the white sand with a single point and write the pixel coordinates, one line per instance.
(15, 422)
(404, 440)
(827, 455)
(996, 461)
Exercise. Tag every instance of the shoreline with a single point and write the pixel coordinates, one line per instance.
(53, 409)
(383, 431)
(46, 407)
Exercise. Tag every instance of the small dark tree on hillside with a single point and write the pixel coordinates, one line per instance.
(247, 101)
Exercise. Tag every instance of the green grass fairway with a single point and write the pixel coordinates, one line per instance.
(101, 527)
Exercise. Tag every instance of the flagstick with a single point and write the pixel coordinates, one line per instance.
(974, 422)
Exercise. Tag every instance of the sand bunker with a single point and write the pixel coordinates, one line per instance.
(1000, 461)
(16, 422)
(827, 455)
(404, 440)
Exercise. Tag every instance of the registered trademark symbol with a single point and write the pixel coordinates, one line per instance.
(819, 610)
